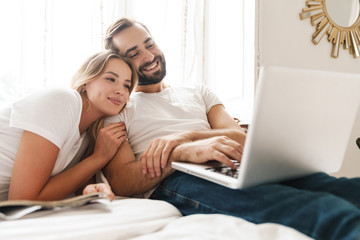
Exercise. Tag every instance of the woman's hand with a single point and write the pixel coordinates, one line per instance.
(101, 188)
(109, 140)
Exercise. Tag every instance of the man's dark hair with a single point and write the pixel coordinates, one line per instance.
(115, 28)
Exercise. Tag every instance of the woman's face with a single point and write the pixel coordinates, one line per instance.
(110, 91)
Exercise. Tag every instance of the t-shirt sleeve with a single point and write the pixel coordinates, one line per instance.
(209, 97)
(114, 119)
(50, 113)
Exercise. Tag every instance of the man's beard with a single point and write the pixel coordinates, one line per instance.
(157, 76)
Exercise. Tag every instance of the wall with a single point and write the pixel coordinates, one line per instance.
(282, 38)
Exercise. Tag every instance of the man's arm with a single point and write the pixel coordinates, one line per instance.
(222, 124)
(126, 178)
(125, 175)
(220, 120)
(156, 156)
(221, 149)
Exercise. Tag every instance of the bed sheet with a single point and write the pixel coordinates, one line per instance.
(138, 219)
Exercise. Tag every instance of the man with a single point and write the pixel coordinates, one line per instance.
(199, 124)
(169, 124)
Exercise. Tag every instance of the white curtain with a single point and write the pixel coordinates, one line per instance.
(204, 41)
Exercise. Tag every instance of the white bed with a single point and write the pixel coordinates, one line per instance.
(129, 218)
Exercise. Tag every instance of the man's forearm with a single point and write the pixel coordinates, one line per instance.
(219, 148)
(235, 134)
(130, 180)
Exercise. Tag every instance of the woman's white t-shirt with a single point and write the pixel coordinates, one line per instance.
(51, 113)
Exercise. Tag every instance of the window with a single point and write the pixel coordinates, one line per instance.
(204, 41)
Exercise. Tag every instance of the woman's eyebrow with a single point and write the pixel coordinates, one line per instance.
(110, 72)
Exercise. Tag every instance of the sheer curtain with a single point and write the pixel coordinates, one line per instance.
(204, 41)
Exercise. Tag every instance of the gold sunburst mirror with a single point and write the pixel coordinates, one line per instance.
(339, 20)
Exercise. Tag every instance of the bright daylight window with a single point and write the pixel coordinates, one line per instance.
(204, 41)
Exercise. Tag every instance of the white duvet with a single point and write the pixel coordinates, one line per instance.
(138, 219)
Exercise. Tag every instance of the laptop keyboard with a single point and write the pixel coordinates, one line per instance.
(226, 170)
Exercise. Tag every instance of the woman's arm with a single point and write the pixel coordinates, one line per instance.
(36, 157)
(99, 187)
(33, 165)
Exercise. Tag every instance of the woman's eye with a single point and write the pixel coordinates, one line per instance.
(111, 79)
(127, 87)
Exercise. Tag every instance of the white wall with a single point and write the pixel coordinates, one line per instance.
(282, 38)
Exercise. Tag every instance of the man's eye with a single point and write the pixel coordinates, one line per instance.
(150, 46)
(111, 79)
(133, 55)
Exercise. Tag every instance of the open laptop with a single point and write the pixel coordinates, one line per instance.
(301, 124)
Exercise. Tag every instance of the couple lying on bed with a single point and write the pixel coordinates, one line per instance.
(163, 124)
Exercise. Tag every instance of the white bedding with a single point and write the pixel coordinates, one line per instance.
(138, 219)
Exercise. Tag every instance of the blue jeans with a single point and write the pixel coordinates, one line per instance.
(320, 206)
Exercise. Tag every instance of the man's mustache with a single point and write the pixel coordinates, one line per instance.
(145, 65)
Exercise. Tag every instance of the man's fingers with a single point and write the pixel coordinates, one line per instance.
(223, 158)
(149, 159)
(165, 155)
(230, 148)
(157, 159)
(226, 150)
(143, 164)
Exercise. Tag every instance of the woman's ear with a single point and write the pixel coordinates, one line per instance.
(83, 89)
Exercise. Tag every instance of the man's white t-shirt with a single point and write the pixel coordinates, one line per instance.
(151, 115)
(51, 113)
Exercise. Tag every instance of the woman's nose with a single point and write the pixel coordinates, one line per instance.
(119, 91)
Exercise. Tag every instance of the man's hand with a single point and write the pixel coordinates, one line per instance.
(157, 153)
(222, 149)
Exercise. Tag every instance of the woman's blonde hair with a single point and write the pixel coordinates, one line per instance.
(92, 68)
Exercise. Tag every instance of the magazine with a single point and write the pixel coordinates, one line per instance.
(15, 209)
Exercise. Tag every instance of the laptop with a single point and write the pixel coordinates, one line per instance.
(301, 124)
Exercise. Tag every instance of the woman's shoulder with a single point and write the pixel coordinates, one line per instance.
(60, 93)
(49, 99)
(57, 96)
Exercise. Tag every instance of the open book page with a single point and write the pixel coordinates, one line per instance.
(14, 209)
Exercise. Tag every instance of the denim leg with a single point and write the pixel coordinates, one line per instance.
(317, 214)
(346, 188)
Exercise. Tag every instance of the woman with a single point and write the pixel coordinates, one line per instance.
(41, 134)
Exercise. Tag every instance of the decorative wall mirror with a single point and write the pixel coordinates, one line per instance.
(339, 20)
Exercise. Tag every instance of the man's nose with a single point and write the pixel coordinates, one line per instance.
(148, 56)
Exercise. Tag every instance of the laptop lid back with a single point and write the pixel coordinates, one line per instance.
(301, 124)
